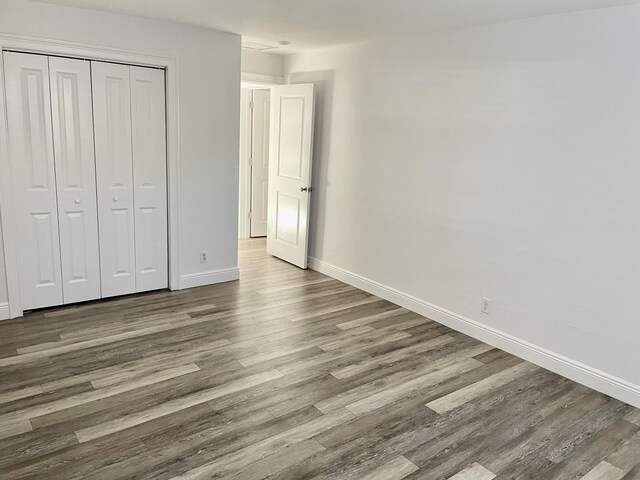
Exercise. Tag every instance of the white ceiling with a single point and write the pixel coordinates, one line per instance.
(319, 23)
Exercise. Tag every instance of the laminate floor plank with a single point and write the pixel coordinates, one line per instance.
(633, 474)
(278, 461)
(580, 461)
(481, 438)
(288, 374)
(197, 398)
(477, 418)
(459, 397)
(207, 446)
(365, 390)
(628, 455)
(14, 427)
(240, 458)
(12, 410)
(385, 396)
(391, 357)
(634, 416)
(604, 471)
(474, 472)
(20, 393)
(396, 469)
(526, 452)
(88, 395)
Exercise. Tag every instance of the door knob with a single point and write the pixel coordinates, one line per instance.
(77, 200)
(306, 189)
(116, 199)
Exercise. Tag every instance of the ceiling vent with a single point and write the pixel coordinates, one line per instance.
(256, 46)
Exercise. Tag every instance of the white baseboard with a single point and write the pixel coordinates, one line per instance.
(208, 278)
(4, 311)
(574, 370)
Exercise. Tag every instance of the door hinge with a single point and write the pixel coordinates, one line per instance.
(251, 162)
(251, 105)
(250, 215)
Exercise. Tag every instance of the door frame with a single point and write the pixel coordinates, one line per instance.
(90, 52)
(255, 192)
(244, 193)
(244, 190)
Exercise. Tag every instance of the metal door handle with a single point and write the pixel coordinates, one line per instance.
(306, 189)
(77, 200)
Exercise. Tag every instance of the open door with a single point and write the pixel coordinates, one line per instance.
(290, 149)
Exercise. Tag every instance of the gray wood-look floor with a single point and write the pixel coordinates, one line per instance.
(288, 374)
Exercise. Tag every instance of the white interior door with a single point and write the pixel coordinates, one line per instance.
(72, 118)
(260, 162)
(33, 178)
(150, 177)
(114, 172)
(291, 143)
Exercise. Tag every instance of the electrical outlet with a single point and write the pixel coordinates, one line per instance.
(484, 306)
(203, 257)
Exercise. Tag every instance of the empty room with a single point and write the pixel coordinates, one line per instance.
(320, 239)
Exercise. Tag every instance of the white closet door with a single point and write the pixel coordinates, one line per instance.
(114, 172)
(260, 162)
(72, 119)
(33, 177)
(150, 177)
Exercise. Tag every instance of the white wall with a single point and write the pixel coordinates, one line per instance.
(209, 99)
(260, 66)
(500, 161)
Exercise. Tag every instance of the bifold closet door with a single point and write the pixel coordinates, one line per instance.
(129, 126)
(33, 177)
(72, 118)
(87, 154)
(114, 173)
(149, 177)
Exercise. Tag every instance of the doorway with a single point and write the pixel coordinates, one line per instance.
(254, 162)
(276, 145)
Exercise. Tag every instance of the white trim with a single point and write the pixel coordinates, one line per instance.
(92, 52)
(4, 311)
(246, 137)
(244, 204)
(6, 206)
(572, 369)
(191, 280)
(261, 79)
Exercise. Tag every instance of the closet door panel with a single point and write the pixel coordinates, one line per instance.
(114, 172)
(150, 177)
(72, 119)
(32, 168)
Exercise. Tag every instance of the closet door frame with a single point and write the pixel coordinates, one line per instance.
(23, 44)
